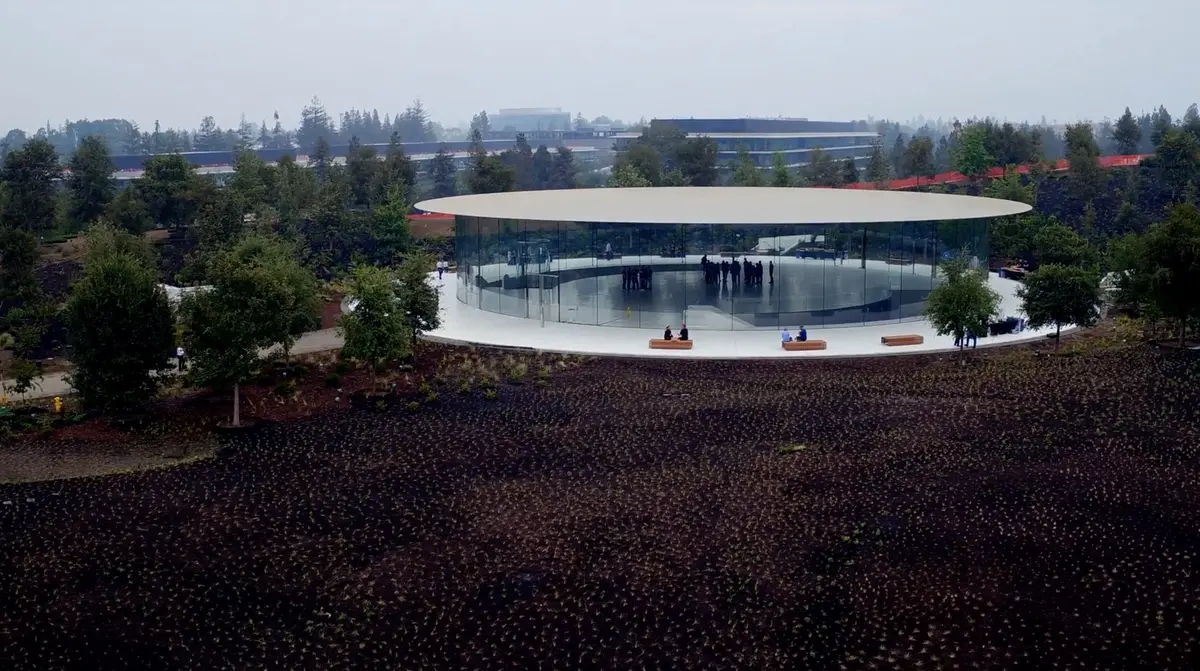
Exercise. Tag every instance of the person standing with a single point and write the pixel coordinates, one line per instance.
(181, 358)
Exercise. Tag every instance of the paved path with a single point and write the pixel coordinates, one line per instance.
(55, 384)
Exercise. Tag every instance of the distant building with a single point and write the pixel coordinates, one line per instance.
(527, 119)
(795, 139)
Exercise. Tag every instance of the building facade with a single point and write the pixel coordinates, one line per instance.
(795, 139)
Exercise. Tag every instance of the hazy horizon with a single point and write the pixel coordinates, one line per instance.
(144, 61)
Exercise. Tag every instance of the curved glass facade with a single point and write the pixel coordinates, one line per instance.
(652, 275)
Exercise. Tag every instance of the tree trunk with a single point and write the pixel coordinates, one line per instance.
(237, 405)
(1057, 335)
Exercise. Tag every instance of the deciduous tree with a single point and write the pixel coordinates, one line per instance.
(780, 175)
(1059, 295)
(29, 176)
(416, 295)
(962, 301)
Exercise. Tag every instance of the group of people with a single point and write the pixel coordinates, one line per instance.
(802, 336)
(636, 278)
(683, 333)
(723, 272)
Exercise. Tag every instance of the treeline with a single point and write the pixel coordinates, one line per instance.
(124, 137)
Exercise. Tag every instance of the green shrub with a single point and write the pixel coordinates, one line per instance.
(341, 368)
(431, 397)
(465, 388)
(285, 388)
(491, 395)
(333, 380)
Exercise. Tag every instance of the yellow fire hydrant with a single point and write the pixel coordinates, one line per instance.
(57, 405)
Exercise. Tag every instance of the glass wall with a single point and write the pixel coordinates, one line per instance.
(708, 276)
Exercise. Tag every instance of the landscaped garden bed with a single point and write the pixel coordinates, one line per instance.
(1020, 512)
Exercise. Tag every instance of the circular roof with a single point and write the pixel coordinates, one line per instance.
(724, 205)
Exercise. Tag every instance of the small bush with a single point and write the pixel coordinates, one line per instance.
(285, 388)
(413, 406)
(341, 368)
(333, 380)
(491, 395)
(464, 388)
(431, 397)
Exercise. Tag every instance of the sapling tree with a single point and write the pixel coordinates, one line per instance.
(119, 323)
(1058, 295)
(376, 330)
(295, 283)
(962, 301)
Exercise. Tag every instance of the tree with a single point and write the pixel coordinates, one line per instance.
(390, 226)
(696, 158)
(543, 163)
(899, 149)
(1058, 295)
(520, 160)
(134, 144)
(1126, 134)
(416, 295)
(918, 158)
(563, 174)
(29, 176)
(90, 184)
(280, 138)
(24, 310)
(780, 175)
(119, 323)
(1190, 123)
(643, 159)
(1009, 187)
(878, 169)
(849, 172)
(128, 212)
(971, 157)
(488, 173)
(745, 172)
(626, 176)
(361, 167)
(962, 301)
(167, 187)
(822, 170)
(315, 125)
(296, 288)
(376, 331)
(1164, 273)
(443, 174)
(1083, 157)
(226, 326)
(480, 123)
(1160, 124)
(1056, 244)
(1177, 163)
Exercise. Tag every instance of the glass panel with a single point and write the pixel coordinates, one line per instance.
(492, 264)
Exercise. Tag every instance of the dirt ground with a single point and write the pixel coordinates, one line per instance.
(1022, 511)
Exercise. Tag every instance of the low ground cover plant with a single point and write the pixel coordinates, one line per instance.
(1019, 512)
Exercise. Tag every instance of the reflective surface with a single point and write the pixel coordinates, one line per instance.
(625, 275)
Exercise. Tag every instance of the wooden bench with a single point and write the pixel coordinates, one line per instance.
(901, 340)
(659, 343)
(803, 345)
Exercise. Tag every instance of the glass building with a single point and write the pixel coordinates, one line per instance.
(724, 258)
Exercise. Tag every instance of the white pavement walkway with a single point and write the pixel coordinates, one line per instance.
(462, 324)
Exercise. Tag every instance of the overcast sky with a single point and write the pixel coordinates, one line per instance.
(178, 60)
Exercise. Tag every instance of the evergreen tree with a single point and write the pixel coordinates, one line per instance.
(29, 175)
(745, 172)
(119, 323)
(376, 331)
(1126, 134)
(90, 184)
(563, 173)
(878, 168)
(780, 175)
(315, 126)
(543, 164)
(415, 294)
(443, 174)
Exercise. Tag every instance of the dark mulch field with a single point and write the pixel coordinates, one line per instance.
(1021, 512)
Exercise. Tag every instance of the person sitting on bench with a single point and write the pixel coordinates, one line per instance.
(683, 334)
(803, 334)
(667, 333)
(787, 336)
